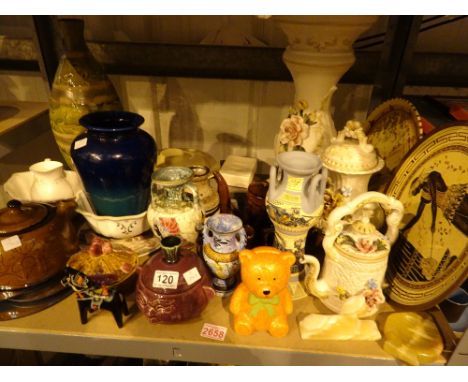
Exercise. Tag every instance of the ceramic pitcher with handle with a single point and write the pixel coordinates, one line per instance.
(356, 254)
(175, 209)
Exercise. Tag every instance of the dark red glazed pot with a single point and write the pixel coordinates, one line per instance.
(174, 285)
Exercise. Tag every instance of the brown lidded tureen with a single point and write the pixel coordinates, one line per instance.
(173, 285)
(35, 242)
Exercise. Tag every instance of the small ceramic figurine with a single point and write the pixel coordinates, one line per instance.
(262, 300)
(356, 254)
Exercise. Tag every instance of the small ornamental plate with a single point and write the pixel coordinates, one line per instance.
(394, 127)
(430, 257)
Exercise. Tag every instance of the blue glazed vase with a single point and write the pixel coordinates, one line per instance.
(115, 161)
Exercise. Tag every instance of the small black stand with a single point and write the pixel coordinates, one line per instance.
(92, 297)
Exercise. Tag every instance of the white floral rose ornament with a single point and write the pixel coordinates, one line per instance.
(293, 131)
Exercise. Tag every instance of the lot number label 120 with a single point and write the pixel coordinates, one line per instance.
(165, 279)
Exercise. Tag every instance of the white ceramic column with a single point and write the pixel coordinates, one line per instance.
(319, 53)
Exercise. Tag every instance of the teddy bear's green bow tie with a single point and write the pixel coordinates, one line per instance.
(262, 303)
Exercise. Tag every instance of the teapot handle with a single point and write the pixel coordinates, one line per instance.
(393, 209)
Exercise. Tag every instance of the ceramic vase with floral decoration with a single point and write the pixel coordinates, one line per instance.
(223, 237)
(294, 203)
(299, 131)
(319, 52)
(356, 254)
(175, 209)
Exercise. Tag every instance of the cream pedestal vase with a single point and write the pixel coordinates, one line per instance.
(319, 53)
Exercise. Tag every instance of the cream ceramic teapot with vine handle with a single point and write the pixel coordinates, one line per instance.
(356, 254)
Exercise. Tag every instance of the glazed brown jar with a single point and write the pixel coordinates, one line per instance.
(35, 242)
(173, 285)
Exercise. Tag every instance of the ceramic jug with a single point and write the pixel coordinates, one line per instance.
(223, 237)
(175, 208)
(50, 183)
(213, 198)
(295, 199)
(356, 254)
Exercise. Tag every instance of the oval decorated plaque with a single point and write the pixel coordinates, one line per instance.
(430, 257)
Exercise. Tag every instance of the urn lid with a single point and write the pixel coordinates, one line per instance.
(173, 270)
(361, 237)
(349, 152)
(18, 217)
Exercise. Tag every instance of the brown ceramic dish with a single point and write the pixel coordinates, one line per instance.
(35, 242)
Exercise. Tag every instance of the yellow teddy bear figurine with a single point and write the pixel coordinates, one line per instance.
(262, 300)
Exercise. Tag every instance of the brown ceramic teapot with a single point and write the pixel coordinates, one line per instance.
(35, 242)
(173, 285)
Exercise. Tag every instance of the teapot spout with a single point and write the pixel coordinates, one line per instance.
(316, 287)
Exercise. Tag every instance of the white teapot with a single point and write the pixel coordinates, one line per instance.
(356, 254)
